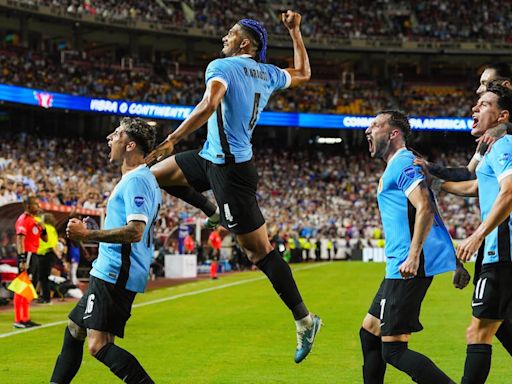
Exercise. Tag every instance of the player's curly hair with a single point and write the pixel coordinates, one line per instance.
(256, 32)
(141, 132)
(398, 120)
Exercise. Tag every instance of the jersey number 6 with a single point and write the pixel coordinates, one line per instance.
(255, 108)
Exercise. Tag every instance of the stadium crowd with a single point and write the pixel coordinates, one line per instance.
(406, 20)
(431, 100)
(309, 194)
(101, 77)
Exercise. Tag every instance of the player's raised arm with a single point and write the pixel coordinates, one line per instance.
(301, 71)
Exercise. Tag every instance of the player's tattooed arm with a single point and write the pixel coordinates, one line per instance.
(130, 233)
(445, 173)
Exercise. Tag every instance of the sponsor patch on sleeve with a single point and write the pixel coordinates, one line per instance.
(138, 200)
(410, 172)
(504, 158)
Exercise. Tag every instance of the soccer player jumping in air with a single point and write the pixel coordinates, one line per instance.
(418, 246)
(238, 87)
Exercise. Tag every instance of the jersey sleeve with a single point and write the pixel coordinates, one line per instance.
(217, 70)
(280, 78)
(501, 159)
(137, 198)
(407, 175)
(21, 226)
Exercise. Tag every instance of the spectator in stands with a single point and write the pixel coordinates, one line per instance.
(92, 77)
(297, 189)
(91, 200)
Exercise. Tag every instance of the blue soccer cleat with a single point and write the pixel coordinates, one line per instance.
(306, 338)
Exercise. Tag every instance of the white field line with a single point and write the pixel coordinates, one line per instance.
(164, 299)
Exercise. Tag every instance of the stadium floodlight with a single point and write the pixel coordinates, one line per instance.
(329, 140)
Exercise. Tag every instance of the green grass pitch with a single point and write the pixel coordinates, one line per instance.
(236, 330)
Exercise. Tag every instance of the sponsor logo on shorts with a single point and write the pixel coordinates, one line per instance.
(473, 304)
(227, 212)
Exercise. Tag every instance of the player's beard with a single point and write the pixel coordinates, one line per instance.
(381, 147)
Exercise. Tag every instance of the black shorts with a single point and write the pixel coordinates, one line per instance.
(233, 185)
(105, 307)
(492, 296)
(398, 303)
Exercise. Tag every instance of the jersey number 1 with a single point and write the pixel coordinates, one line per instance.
(255, 109)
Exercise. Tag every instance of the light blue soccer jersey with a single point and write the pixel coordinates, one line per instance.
(249, 85)
(399, 179)
(495, 166)
(135, 198)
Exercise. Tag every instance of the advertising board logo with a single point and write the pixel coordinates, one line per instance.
(44, 99)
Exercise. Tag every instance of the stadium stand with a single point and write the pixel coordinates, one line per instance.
(435, 99)
(310, 194)
(100, 77)
(397, 19)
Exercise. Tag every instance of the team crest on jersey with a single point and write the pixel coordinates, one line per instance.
(138, 200)
(381, 185)
(35, 230)
(504, 158)
(410, 172)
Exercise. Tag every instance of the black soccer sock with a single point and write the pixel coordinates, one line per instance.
(478, 363)
(504, 335)
(123, 364)
(69, 360)
(280, 275)
(194, 198)
(374, 367)
(421, 369)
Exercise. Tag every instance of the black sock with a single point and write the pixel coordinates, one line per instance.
(374, 367)
(194, 198)
(123, 364)
(421, 369)
(478, 363)
(69, 360)
(504, 335)
(280, 275)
